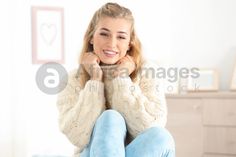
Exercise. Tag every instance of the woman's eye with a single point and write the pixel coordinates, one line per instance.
(121, 37)
(104, 34)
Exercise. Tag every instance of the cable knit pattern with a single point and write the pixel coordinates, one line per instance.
(142, 104)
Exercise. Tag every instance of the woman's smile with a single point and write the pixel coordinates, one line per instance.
(110, 53)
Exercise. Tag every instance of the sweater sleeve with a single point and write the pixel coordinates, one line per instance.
(143, 105)
(79, 108)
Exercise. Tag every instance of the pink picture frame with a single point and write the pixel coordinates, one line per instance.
(47, 34)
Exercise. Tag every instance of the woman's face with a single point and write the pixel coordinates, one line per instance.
(111, 39)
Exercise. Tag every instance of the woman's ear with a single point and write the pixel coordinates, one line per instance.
(91, 41)
(129, 47)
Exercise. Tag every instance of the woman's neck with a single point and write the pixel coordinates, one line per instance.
(104, 64)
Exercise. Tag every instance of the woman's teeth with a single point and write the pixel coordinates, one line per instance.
(110, 53)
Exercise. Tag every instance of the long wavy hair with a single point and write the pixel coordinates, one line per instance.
(112, 10)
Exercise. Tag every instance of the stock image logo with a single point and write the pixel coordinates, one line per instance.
(49, 77)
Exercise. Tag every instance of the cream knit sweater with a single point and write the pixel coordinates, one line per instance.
(142, 104)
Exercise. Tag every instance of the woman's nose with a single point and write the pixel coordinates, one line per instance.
(112, 42)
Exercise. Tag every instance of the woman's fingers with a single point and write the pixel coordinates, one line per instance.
(90, 62)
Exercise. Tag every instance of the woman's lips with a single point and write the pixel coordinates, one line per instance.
(109, 53)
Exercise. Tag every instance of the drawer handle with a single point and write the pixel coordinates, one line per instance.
(231, 114)
(196, 107)
(231, 143)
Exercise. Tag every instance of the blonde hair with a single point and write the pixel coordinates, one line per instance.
(112, 10)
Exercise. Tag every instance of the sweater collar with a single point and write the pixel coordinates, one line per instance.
(108, 70)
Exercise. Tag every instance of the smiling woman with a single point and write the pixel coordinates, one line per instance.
(105, 111)
(111, 39)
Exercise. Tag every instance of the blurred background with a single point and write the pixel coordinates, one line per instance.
(177, 33)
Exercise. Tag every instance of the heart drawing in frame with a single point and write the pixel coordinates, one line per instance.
(48, 33)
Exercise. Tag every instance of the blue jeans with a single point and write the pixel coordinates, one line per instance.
(108, 140)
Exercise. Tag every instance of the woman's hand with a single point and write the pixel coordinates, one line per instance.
(90, 62)
(126, 66)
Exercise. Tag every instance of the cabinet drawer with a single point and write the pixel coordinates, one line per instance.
(185, 124)
(220, 140)
(220, 112)
(184, 113)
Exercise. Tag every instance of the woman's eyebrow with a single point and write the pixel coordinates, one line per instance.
(105, 29)
(122, 32)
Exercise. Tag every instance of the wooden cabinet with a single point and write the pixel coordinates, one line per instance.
(203, 124)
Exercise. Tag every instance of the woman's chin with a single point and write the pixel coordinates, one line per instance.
(108, 62)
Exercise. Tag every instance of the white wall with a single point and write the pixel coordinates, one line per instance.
(5, 83)
(203, 35)
(175, 32)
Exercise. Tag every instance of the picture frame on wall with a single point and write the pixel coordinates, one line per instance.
(208, 80)
(233, 80)
(47, 34)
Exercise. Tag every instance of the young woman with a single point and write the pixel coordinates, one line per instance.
(113, 105)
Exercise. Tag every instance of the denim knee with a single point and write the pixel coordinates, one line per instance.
(108, 135)
(155, 141)
(111, 116)
(161, 137)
